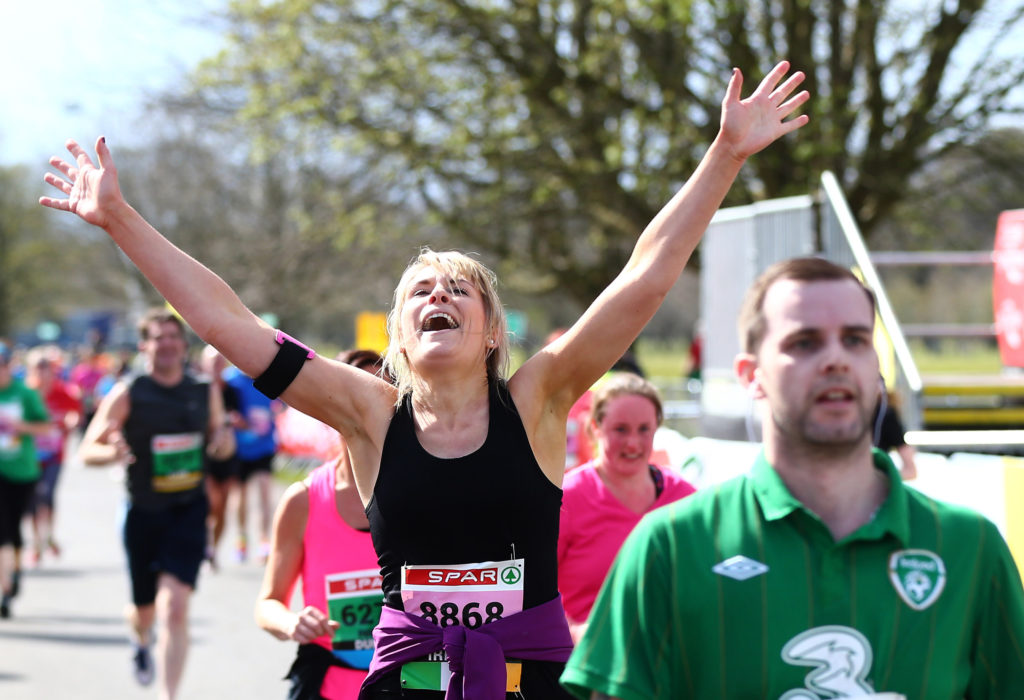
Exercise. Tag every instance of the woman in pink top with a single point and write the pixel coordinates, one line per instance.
(321, 534)
(603, 500)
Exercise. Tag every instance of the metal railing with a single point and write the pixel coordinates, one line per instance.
(842, 243)
(740, 243)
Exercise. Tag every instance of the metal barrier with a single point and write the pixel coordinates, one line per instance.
(842, 243)
(743, 241)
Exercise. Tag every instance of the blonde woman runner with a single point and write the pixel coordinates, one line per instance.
(459, 468)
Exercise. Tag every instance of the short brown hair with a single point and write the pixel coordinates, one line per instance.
(751, 322)
(368, 360)
(624, 384)
(158, 314)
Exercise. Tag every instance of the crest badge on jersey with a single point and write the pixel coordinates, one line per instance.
(918, 575)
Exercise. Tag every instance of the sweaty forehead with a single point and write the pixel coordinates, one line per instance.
(428, 276)
(164, 329)
(791, 305)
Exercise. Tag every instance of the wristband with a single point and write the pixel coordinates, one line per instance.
(286, 365)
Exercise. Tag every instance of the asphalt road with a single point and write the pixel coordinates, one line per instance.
(67, 637)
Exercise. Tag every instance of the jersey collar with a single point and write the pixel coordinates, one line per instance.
(777, 502)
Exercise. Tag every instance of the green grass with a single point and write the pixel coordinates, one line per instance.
(957, 357)
(669, 359)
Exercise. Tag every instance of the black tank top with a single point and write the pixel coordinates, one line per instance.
(166, 431)
(491, 505)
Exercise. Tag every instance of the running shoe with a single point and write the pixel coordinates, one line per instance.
(142, 665)
(5, 606)
(242, 550)
(210, 556)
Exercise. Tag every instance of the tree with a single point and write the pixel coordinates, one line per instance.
(44, 269)
(284, 231)
(549, 133)
(952, 203)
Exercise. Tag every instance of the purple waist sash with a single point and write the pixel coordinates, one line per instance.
(476, 656)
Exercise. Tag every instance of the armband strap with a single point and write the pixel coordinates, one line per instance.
(285, 367)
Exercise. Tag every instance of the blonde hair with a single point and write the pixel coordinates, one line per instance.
(450, 265)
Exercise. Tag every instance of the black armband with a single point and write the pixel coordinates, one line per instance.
(286, 365)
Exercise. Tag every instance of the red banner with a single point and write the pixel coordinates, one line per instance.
(1008, 287)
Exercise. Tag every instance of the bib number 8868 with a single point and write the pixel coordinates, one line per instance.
(448, 614)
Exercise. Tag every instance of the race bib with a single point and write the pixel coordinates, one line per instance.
(49, 444)
(354, 601)
(177, 461)
(10, 413)
(260, 420)
(465, 594)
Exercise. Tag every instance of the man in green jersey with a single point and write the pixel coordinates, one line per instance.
(817, 574)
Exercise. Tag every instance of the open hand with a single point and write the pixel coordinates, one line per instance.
(747, 126)
(92, 192)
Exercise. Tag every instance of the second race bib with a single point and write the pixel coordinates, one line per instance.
(354, 601)
(177, 461)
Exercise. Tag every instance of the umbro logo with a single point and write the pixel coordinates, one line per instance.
(740, 568)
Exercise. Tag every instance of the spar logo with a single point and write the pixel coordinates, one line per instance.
(918, 576)
(175, 443)
(481, 576)
(354, 584)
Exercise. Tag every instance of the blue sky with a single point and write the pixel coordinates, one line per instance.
(79, 68)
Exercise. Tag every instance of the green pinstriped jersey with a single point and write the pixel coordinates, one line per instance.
(741, 592)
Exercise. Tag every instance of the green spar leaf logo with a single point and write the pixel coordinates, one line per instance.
(918, 576)
(511, 575)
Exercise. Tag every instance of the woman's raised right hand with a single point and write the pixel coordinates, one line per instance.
(93, 193)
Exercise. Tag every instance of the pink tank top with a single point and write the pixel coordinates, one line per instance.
(340, 576)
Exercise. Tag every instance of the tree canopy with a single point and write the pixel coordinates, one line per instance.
(953, 202)
(289, 236)
(45, 269)
(547, 134)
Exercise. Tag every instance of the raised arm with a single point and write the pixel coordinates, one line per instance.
(203, 299)
(570, 365)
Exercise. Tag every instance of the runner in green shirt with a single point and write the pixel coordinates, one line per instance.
(818, 574)
(22, 416)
